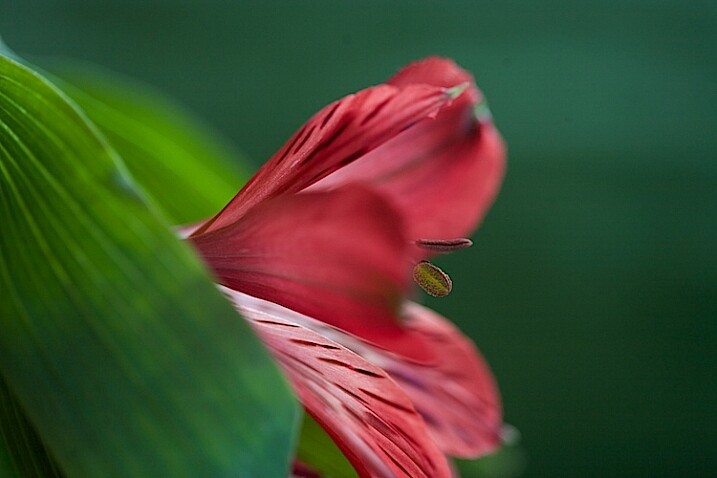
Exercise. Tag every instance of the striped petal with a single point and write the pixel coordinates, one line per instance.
(335, 137)
(368, 416)
(443, 174)
(456, 393)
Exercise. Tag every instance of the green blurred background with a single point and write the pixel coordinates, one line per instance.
(592, 288)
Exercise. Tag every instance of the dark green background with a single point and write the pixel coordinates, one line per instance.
(592, 288)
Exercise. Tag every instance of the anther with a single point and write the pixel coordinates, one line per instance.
(432, 280)
(444, 246)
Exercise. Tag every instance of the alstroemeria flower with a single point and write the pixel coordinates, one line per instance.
(318, 249)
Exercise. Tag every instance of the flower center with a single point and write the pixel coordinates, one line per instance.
(430, 277)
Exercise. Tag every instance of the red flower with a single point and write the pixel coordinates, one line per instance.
(317, 249)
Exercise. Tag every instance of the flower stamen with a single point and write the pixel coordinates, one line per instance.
(444, 246)
(432, 279)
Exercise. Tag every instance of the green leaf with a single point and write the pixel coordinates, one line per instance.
(182, 163)
(508, 462)
(22, 453)
(113, 339)
(318, 450)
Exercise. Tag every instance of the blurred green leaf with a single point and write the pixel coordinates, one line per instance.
(509, 461)
(317, 450)
(182, 163)
(22, 453)
(113, 339)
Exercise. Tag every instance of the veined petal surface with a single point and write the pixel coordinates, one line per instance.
(336, 136)
(442, 175)
(455, 393)
(370, 418)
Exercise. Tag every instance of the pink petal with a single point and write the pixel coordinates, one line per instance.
(444, 174)
(370, 418)
(437, 71)
(443, 184)
(338, 256)
(456, 394)
(336, 136)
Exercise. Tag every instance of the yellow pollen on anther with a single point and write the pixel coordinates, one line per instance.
(432, 279)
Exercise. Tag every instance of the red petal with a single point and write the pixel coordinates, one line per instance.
(370, 418)
(437, 71)
(336, 136)
(338, 256)
(456, 394)
(444, 174)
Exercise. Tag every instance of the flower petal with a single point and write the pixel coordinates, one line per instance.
(336, 136)
(437, 71)
(444, 174)
(338, 256)
(456, 394)
(371, 419)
